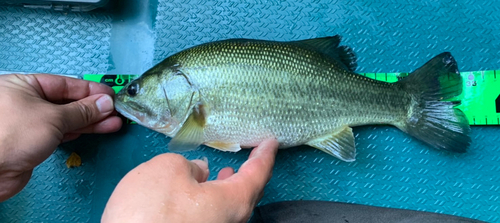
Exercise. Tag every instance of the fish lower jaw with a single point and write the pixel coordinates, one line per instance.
(151, 124)
(127, 115)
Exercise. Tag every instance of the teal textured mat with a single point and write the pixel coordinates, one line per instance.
(53, 42)
(60, 43)
(392, 169)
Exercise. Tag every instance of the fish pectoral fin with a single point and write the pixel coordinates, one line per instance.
(331, 46)
(339, 144)
(191, 134)
(225, 146)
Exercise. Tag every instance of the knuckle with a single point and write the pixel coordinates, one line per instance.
(55, 117)
(86, 112)
(169, 161)
(246, 203)
(234, 199)
(171, 158)
(59, 117)
(246, 211)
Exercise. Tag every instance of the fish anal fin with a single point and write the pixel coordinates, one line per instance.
(331, 47)
(224, 146)
(340, 144)
(191, 134)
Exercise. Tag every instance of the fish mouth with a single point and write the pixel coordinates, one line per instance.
(129, 113)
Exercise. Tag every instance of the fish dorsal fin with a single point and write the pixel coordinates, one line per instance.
(331, 47)
(190, 136)
(339, 144)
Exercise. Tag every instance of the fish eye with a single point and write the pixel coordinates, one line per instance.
(132, 89)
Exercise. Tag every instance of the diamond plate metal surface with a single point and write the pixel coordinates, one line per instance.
(388, 36)
(392, 169)
(53, 42)
(56, 193)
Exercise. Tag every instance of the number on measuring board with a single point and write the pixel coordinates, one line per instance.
(497, 104)
(471, 83)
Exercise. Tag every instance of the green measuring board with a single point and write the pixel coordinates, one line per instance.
(115, 81)
(480, 97)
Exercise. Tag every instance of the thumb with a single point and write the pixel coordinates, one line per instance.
(87, 111)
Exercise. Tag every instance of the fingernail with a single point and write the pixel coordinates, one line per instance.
(201, 163)
(205, 159)
(269, 144)
(104, 104)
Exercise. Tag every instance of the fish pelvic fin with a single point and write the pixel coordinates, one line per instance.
(191, 134)
(224, 146)
(330, 46)
(430, 119)
(340, 144)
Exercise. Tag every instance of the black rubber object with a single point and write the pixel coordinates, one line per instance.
(333, 212)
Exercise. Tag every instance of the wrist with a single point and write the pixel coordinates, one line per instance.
(11, 185)
(11, 181)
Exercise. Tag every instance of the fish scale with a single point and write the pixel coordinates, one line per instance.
(302, 96)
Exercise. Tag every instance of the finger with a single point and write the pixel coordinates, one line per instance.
(59, 89)
(108, 125)
(85, 112)
(199, 170)
(225, 173)
(70, 136)
(256, 172)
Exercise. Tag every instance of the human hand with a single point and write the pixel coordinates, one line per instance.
(38, 112)
(169, 188)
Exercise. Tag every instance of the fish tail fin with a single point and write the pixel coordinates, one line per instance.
(431, 119)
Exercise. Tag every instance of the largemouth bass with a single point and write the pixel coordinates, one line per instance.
(233, 94)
